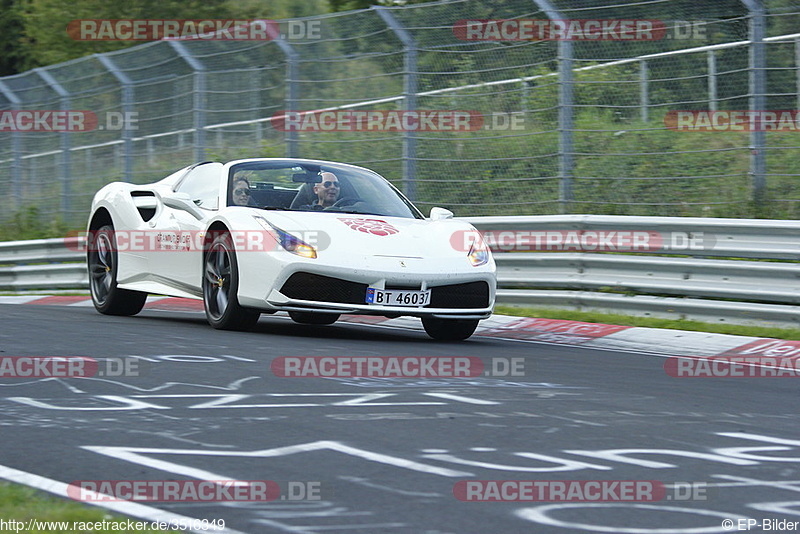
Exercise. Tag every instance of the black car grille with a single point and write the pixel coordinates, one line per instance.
(470, 295)
(307, 286)
(315, 287)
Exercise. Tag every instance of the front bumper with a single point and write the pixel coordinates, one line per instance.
(280, 302)
(300, 284)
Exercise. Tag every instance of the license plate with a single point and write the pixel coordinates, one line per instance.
(398, 297)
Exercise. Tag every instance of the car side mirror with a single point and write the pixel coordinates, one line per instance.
(439, 214)
(182, 201)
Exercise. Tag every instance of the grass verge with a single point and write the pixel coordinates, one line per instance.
(21, 503)
(650, 322)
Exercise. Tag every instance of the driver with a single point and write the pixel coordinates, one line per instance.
(327, 191)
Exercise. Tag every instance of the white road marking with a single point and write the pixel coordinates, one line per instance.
(137, 455)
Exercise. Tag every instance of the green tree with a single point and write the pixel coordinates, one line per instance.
(12, 40)
(347, 5)
(44, 39)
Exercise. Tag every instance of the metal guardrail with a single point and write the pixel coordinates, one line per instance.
(42, 264)
(730, 238)
(693, 268)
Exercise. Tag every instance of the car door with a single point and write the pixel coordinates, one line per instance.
(180, 263)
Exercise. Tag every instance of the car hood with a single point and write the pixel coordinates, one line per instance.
(375, 235)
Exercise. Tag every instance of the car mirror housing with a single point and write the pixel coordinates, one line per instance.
(438, 214)
(182, 201)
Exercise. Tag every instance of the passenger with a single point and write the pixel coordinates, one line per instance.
(240, 193)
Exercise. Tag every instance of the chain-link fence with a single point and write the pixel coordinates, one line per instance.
(569, 122)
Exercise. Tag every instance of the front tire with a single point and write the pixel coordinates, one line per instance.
(102, 262)
(314, 318)
(221, 285)
(449, 329)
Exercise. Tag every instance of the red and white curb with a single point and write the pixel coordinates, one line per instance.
(591, 335)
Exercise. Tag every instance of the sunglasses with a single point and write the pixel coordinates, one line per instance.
(240, 191)
(330, 184)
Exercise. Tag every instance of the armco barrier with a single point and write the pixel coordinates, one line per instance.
(43, 264)
(694, 268)
(702, 269)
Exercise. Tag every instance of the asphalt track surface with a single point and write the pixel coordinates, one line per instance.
(387, 453)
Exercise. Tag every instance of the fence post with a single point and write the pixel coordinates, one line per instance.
(292, 79)
(16, 149)
(712, 80)
(65, 103)
(126, 85)
(644, 93)
(409, 99)
(198, 104)
(758, 85)
(566, 120)
(566, 117)
(797, 70)
(256, 104)
(292, 95)
(526, 91)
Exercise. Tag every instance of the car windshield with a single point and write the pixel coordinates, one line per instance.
(315, 186)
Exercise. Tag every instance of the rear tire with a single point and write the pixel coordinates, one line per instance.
(449, 329)
(221, 286)
(314, 318)
(102, 262)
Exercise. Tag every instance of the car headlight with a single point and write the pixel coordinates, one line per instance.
(290, 243)
(478, 252)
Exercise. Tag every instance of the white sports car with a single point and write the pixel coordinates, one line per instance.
(314, 238)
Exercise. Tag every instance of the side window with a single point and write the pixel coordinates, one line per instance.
(202, 184)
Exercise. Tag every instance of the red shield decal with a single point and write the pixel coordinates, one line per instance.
(370, 226)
